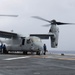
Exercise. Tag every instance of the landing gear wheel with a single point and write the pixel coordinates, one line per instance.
(5, 52)
(38, 53)
(25, 52)
(44, 53)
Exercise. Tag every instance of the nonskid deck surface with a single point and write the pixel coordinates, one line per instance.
(50, 64)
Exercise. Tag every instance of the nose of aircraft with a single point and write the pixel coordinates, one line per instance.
(39, 45)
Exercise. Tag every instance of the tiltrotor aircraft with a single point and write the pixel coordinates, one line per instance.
(33, 43)
(17, 42)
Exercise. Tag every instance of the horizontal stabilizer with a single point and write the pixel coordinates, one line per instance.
(5, 34)
(43, 36)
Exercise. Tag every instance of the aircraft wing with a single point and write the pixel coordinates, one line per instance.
(43, 36)
(5, 34)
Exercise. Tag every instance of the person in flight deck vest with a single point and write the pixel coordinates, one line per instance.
(44, 49)
(2, 48)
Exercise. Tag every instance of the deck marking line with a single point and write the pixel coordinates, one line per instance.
(17, 58)
(37, 73)
(66, 58)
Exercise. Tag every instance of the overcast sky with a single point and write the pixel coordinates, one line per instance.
(61, 10)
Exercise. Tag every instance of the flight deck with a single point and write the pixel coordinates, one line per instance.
(50, 64)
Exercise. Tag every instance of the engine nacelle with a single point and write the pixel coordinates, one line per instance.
(54, 42)
(54, 39)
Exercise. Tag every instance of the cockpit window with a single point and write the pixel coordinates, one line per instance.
(23, 41)
(28, 41)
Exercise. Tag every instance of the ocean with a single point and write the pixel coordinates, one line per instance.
(60, 52)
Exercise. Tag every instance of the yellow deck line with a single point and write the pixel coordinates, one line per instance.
(66, 58)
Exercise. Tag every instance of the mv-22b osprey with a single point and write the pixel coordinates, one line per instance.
(33, 43)
(17, 42)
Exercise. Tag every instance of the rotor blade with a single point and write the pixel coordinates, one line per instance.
(37, 17)
(10, 15)
(61, 23)
(47, 25)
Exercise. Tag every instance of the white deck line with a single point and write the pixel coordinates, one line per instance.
(17, 58)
